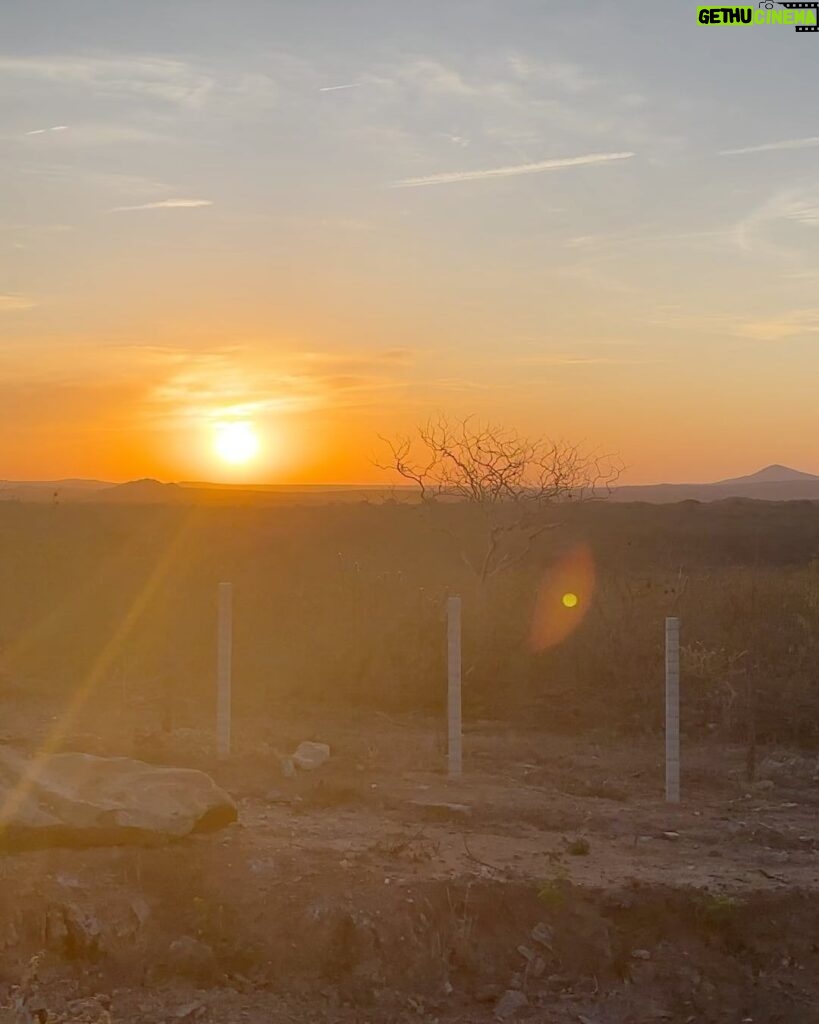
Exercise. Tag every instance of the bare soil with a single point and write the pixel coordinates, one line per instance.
(552, 882)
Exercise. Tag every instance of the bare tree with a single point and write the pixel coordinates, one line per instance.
(512, 481)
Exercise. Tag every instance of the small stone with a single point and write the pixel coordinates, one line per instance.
(287, 767)
(510, 1004)
(443, 809)
(671, 836)
(189, 1010)
(543, 935)
(309, 756)
(640, 954)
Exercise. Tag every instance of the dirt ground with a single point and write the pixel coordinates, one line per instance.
(552, 883)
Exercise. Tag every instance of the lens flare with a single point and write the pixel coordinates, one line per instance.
(564, 598)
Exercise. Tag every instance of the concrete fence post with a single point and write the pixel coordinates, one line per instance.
(454, 714)
(672, 710)
(224, 658)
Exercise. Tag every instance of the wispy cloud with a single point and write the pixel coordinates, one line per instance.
(338, 88)
(439, 80)
(769, 147)
(172, 81)
(453, 177)
(96, 133)
(571, 78)
(559, 360)
(45, 131)
(793, 324)
(761, 229)
(166, 204)
(241, 383)
(15, 303)
(780, 327)
(149, 78)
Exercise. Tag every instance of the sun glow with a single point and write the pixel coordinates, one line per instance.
(236, 443)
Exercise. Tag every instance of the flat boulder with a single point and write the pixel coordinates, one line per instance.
(77, 799)
(310, 755)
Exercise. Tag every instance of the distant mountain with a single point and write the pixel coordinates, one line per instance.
(775, 474)
(141, 492)
(773, 483)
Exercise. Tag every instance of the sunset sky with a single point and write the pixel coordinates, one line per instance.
(327, 220)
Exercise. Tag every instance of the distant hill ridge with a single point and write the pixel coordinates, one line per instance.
(772, 483)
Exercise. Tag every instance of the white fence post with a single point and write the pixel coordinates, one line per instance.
(672, 710)
(454, 730)
(224, 653)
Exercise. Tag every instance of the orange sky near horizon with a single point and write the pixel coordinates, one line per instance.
(153, 412)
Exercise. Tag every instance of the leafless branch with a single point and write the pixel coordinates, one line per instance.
(512, 479)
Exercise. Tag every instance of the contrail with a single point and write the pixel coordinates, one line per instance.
(335, 88)
(507, 172)
(42, 131)
(166, 204)
(768, 147)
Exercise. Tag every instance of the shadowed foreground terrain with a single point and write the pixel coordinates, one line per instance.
(552, 883)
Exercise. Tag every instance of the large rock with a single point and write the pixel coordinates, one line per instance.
(83, 800)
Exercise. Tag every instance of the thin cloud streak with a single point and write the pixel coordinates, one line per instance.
(336, 88)
(45, 131)
(453, 177)
(14, 303)
(770, 147)
(166, 204)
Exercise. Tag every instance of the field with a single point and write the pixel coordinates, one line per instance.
(552, 883)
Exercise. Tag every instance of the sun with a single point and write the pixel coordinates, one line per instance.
(236, 442)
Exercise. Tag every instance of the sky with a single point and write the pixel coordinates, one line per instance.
(596, 221)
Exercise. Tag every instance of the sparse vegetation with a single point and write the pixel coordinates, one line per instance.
(719, 910)
(579, 847)
(344, 604)
(554, 889)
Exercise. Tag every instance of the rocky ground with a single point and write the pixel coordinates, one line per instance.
(552, 883)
